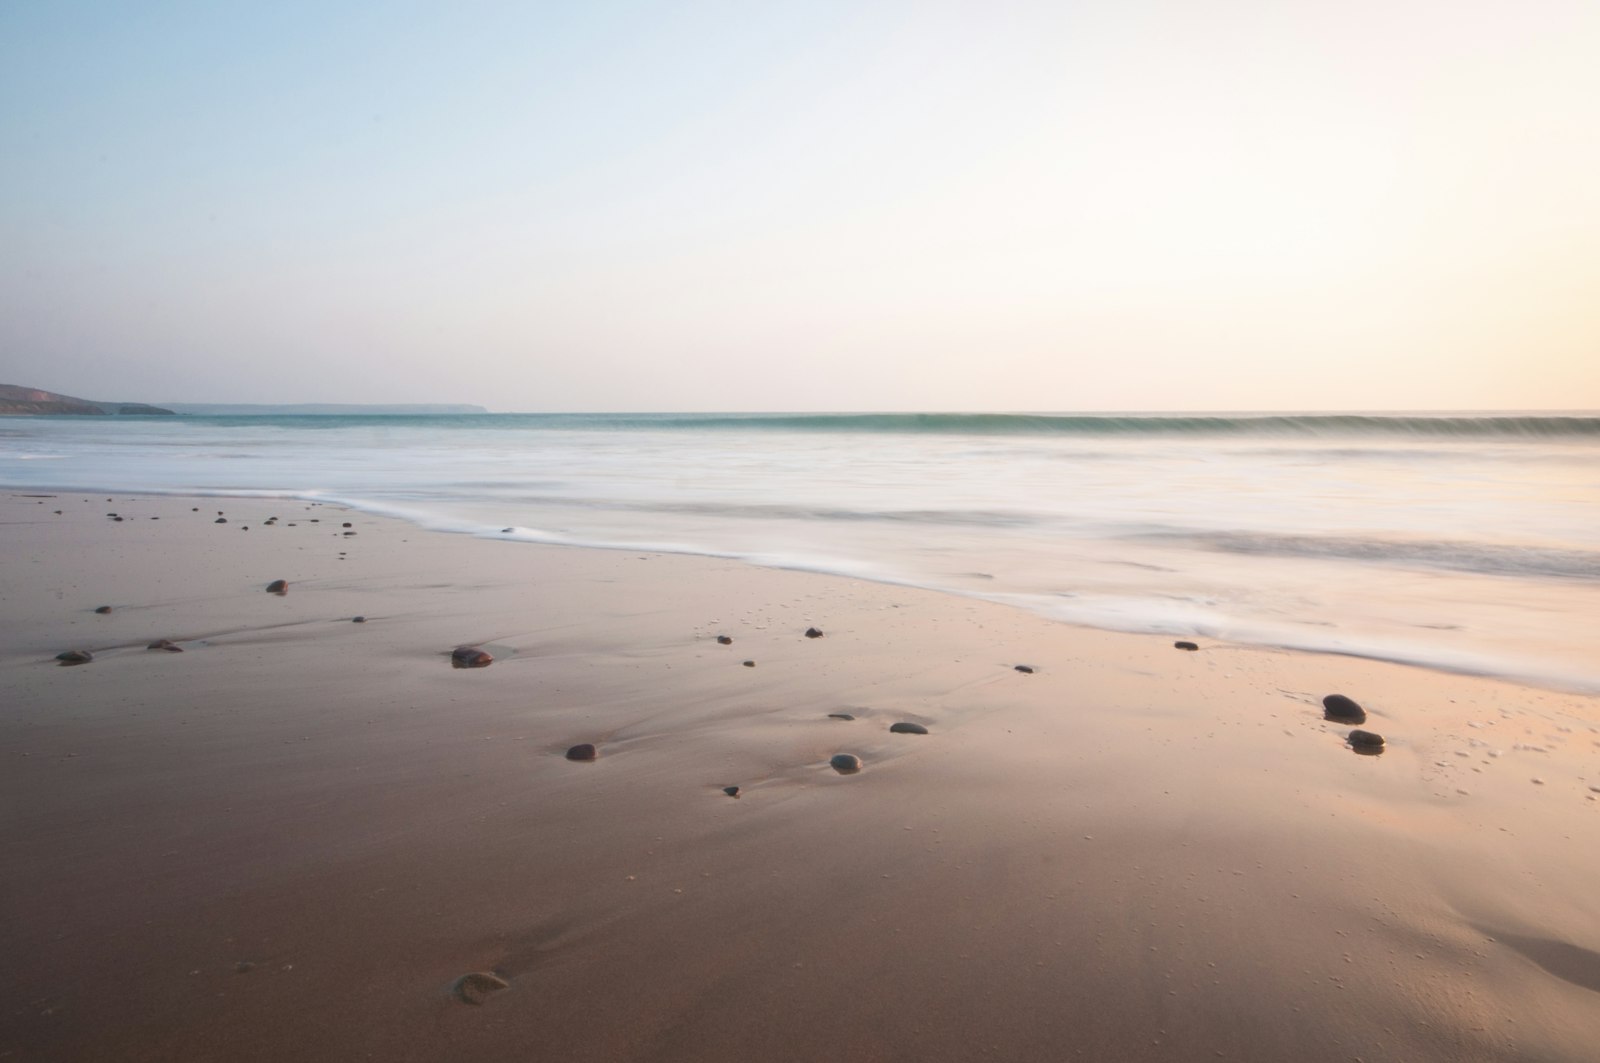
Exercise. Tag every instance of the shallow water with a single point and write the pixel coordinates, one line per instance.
(1469, 542)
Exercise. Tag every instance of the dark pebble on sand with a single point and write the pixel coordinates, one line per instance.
(813, 633)
(582, 751)
(478, 986)
(506, 531)
(749, 664)
(165, 644)
(723, 640)
(278, 586)
(103, 610)
(1366, 742)
(907, 728)
(840, 716)
(116, 520)
(348, 534)
(1342, 709)
(75, 657)
(1181, 645)
(469, 657)
(358, 620)
(731, 791)
(347, 524)
(1025, 669)
(845, 763)
(220, 520)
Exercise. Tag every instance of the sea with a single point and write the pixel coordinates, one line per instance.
(1461, 541)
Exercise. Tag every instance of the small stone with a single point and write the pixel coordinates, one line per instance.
(347, 524)
(470, 657)
(1025, 669)
(278, 586)
(348, 534)
(75, 657)
(840, 716)
(813, 633)
(905, 727)
(1342, 709)
(723, 640)
(103, 610)
(165, 644)
(582, 751)
(506, 531)
(478, 986)
(1184, 645)
(220, 520)
(358, 620)
(731, 791)
(845, 763)
(116, 520)
(749, 664)
(1366, 742)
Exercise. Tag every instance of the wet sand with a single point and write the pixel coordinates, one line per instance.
(293, 839)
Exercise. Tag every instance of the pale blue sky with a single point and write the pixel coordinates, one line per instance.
(1141, 205)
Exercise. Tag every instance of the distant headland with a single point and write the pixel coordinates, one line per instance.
(16, 400)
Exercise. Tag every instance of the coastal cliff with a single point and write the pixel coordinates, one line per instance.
(16, 400)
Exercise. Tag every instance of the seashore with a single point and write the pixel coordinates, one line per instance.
(308, 838)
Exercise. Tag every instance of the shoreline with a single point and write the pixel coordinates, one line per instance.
(293, 838)
(1433, 659)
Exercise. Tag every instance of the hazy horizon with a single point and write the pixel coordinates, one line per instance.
(1157, 206)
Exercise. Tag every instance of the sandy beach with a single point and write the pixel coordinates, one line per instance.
(292, 839)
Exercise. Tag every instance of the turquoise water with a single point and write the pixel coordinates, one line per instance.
(1464, 541)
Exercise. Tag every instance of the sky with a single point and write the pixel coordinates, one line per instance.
(928, 205)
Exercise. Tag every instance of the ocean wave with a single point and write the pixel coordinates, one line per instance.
(1481, 558)
(1442, 426)
(1575, 426)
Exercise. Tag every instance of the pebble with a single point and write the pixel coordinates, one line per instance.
(358, 620)
(906, 728)
(813, 633)
(478, 986)
(165, 644)
(75, 657)
(347, 524)
(1025, 669)
(723, 640)
(1366, 741)
(1340, 708)
(731, 791)
(103, 610)
(840, 716)
(749, 664)
(220, 520)
(845, 763)
(278, 586)
(1181, 645)
(470, 657)
(582, 751)
(506, 531)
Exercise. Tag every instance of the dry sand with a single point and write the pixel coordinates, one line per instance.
(290, 841)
